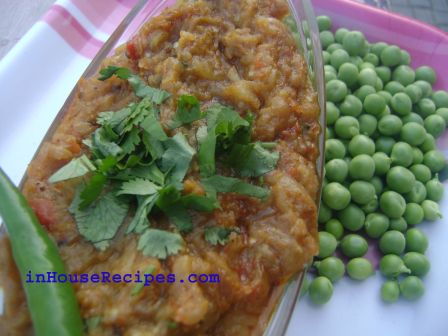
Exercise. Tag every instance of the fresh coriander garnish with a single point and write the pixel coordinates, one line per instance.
(138, 287)
(134, 162)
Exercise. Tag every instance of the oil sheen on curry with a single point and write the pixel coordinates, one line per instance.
(193, 151)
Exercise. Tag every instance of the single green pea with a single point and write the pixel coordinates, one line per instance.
(361, 167)
(417, 156)
(374, 104)
(367, 76)
(326, 38)
(384, 73)
(413, 214)
(336, 196)
(390, 291)
(334, 149)
(336, 90)
(443, 112)
(391, 56)
(400, 179)
(392, 242)
(434, 189)
(392, 204)
(323, 22)
(426, 73)
(435, 160)
(391, 266)
(402, 154)
(351, 106)
(361, 144)
(425, 87)
(435, 125)
(394, 87)
(416, 241)
(336, 170)
(359, 269)
(354, 42)
(329, 133)
(412, 288)
(349, 74)
(405, 57)
(414, 92)
(364, 91)
(339, 57)
(333, 113)
(362, 192)
(404, 75)
(352, 217)
(417, 263)
(428, 144)
(376, 224)
(372, 59)
(346, 127)
(401, 103)
(365, 65)
(320, 290)
(378, 48)
(333, 47)
(413, 117)
(340, 33)
(356, 60)
(378, 184)
(425, 107)
(379, 85)
(398, 224)
(385, 144)
(325, 213)
(332, 268)
(421, 172)
(353, 245)
(382, 163)
(329, 76)
(390, 125)
(326, 57)
(367, 124)
(431, 210)
(417, 193)
(335, 227)
(413, 133)
(440, 98)
(329, 68)
(327, 244)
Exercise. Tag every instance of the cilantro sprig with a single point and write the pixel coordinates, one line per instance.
(133, 162)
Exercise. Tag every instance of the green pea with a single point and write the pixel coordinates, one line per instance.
(361, 167)
(414, 92)
(326, 57)
(376, 224)
(377, 183)
(379, 84)
(329, 76)
(402, 154)
(392, 204)
(431, 210)
(356, 60)
(327, 244)
(367, 124)
(390, 125)
(417, 156)
(412, 288)
(417, 263)
(413, 214)
(340, 33)
(394, 87)
(400, 179)
(332, 113)
(372, 59)
(361, 144)
(382, 163)
(391, 56)
(392, 242)
(413, 133)
(386, 95)
(435, 160)
(378, 48)
(354, 43)
(416, 241)
(359, 269)
(346, 127)
(404, 75)
(336, 90)
(391, 266)
(413, 117)
(374, 104)
(421, 172)
(365, 65)
(390, 291)
(425, 87)
(336, 170)
(320, 290)
(332, 268)
(435, 125)
(385, 144)
(323, 22)
(417, 193)
(401, 103)
(329, 133)
(336, 196)
(398, 224)
(325, 213)
(434, 190)
(364, 91)
(367, 76)
(443, 112)
(335, 227)
(326, 38)
(362, 192)
(426, 73)
(333, 47)
(428, 144)
(425, 107)
(329, 68)
(339, 57)
(405, 57)
(353, 245)
(334, 149)
(440, 98)
(351, 106)
(384, 73)
(349, 74)
(352, 217)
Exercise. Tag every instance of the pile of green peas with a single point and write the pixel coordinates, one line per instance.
(382, 164)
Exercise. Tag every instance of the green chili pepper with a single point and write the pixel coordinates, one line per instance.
(53, 306)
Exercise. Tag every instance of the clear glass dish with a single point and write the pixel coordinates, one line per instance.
(276, 316)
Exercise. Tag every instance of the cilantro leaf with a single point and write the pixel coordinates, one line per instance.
(159, 243)
(188, 110)
(252, 159)
(100, 221)
(93, 322)
(200, 203)
(120, 72)
(131, 141)
(206, 153)
(92, 190)
(138, 287)
(231, 184)
(140, 221)
(138, 187)
(75, 168)
(218, 235)
(105, 146)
